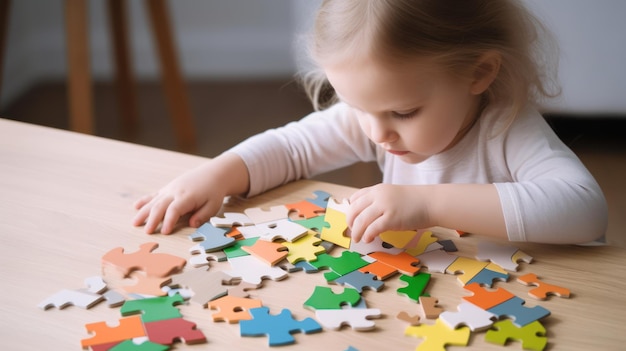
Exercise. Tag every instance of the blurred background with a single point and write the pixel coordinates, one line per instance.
(239, 58)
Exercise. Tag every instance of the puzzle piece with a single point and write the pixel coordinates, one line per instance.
(531, 335)
(348, 262)
(306, 248)
(268, 252)
(468, 315)
(206, 285)
(202, 258)
(252, 270)
(153, 309)
(398, 238)
(236, 250)
(233, 309)
(127, 328)
(420, 242)
(357, 318)
(359, 281)
(168, 331)
(504, 256)
(277, 327)
(305, 209)
(283, 229)
(275, 213)
(438, 336)
(403, 262)
(323, 298)
(95, 285)
(136, 344)
(320, 199)
(147, 285)
(335, 216)
(405, 316)
(376, 245)
(230, 219)
(315, 224)
(212, 238)
(487, 276)
(429, 307)
(486, 299)
(542, 289)
(241, 289)
(514, 308)
(467, 267)
(154, 264)
(416, 285)
(65, 298)
(436, 261)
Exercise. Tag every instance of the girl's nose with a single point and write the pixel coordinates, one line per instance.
(380, 132)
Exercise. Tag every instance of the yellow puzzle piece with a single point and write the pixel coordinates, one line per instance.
(438, 335)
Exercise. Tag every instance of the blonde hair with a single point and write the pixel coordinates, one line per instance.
(455, 33)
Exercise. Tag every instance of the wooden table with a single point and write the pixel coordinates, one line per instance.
(66, 199)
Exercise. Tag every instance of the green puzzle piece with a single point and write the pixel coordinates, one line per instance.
(323, 298)
(416, 286)
(349, 261)
(154, 309)
(236, 249)
(531, 335)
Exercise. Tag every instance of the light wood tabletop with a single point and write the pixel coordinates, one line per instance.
(66, 200)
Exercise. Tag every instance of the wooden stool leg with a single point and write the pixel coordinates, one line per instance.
(173, 86)
(79, 89)
(5, 7)
(125, 87)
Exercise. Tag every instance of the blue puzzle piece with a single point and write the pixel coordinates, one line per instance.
(277, 327)
(487, 276)
(213, 238)
(514, 308)
(321, 198)
(306, 266)
(359, 280)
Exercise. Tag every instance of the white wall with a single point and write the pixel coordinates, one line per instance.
(243, 38)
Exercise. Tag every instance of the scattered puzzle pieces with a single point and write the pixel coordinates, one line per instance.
(277, 327)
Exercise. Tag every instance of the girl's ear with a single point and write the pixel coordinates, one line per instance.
(485, 72)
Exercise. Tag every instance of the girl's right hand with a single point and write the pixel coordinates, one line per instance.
(199, 192)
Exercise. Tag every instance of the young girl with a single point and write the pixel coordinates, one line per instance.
(443, 95)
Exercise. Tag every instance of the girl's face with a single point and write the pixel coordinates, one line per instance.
(413, 110)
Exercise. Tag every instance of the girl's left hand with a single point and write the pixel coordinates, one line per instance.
(384, 207)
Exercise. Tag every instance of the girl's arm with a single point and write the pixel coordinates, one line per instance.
(473, 208)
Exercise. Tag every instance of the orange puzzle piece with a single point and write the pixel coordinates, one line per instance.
(267, 251)
(154, 264)
(233, 309)
(542, 290)
(305, 209)
(128, 328)
(487, 299)
(403, 262)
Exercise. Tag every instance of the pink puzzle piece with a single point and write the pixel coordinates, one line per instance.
(154, 264)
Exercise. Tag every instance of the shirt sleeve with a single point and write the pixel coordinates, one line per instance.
(320, 142)
(553, 198)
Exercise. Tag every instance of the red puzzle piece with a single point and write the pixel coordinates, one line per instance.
(168, 331)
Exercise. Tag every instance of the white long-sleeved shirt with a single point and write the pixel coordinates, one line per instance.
(547, 194)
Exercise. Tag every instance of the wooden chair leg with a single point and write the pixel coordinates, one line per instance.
(79, 79)
(5, 7)
(125, 82)
(178, 103)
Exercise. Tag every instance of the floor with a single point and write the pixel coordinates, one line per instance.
(227, 112)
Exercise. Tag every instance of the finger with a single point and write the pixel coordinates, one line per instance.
(203, 214)
(355, 209)
(374, 229)
(156, 214)
(363, 220)
(174, 211)
(142, 201)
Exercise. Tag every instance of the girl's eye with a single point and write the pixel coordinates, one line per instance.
(405, 115)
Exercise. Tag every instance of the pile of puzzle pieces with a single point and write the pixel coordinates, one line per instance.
(270, 244)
